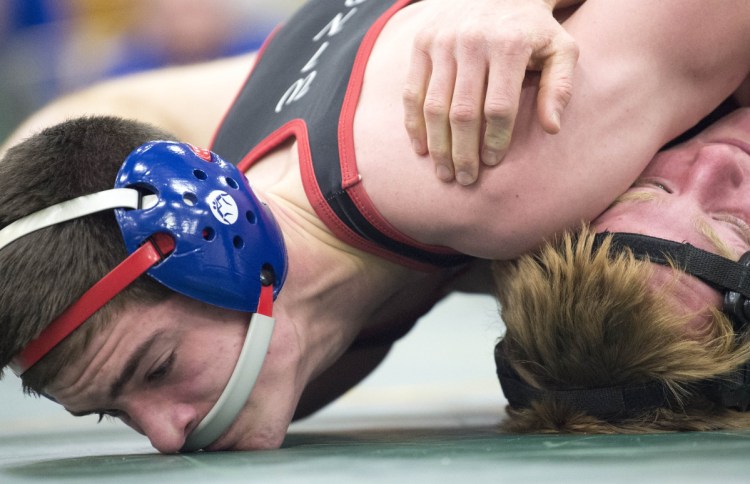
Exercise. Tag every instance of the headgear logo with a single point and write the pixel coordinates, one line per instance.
(223, 207)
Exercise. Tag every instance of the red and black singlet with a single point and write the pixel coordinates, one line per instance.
(305, 84)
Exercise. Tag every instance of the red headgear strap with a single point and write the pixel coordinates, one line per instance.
(149, 254)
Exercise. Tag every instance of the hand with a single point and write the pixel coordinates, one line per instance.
(465, 78)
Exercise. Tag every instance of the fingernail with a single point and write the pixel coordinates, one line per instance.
(556, 119)
(464, 178)
(490, 158)
(417, 146)
(444, 173)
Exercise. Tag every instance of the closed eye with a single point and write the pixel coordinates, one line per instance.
(161, 371)
(653, 183)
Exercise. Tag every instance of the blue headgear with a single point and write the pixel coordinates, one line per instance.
(227, 242)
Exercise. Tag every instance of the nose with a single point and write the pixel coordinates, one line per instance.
(717, 170)
(166, 424)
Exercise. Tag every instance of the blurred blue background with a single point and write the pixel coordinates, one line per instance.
(51, 47)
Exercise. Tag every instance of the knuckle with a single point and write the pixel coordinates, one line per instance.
(499, 109)
(563, 91)
(513, 43)
(410, 97)
(422, 41)
(435, 109)
(471, 39)
(463, 113)
(444, 42)
(411, 124)
(440, 154)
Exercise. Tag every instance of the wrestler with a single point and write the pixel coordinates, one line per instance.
(650, 302)
(353, 275)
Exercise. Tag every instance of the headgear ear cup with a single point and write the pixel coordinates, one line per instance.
(736, 305)
(227, 242)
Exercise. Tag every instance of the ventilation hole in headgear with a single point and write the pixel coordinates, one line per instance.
(267, 274)
(190, 199)
(199, 174)
(208, 233)
(250, 216)
(238, 242)
(231, 183)
(149, 196)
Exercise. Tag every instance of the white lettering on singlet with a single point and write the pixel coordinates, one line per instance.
(314, 59)
(296, 91)
(301, 86)
(335, 26)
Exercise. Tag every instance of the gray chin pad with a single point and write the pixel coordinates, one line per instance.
(238, 388)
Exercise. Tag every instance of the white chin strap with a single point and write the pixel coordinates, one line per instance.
(238, 388)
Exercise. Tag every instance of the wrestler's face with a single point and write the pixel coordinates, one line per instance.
(697, 192)
(161, 368)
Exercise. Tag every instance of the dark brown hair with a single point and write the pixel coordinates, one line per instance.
(44, 272)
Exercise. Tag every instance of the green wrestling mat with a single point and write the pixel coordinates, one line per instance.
(427, 415)
(473, 454)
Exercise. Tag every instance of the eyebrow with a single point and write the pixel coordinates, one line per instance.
(634, 197)
(709, 233)
(135, 359)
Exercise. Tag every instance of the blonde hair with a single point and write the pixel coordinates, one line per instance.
(580, 317)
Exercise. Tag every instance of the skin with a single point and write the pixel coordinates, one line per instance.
(462, 92)
(703, 181)
(315, 324)
(650, 75)
(465, 126)
(169, 390)
(316, 321)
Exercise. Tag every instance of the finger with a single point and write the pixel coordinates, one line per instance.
(556, 83)
(466, 113)
(436, 113)
(417, 80)
(507, 70)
